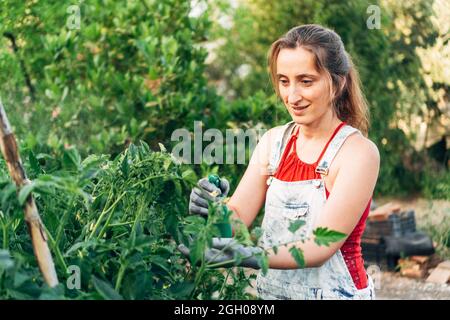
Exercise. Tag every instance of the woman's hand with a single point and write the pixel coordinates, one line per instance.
(204, 192)
(227, 253)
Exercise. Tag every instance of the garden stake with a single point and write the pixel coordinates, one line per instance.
(35, 226)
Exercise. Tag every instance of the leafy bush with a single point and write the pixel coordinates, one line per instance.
(436, 184)
(132, 70)
(119, 221)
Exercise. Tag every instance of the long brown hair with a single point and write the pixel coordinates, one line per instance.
(347, 99)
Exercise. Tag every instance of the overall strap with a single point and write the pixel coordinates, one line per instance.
(278, 147)
(333, 148)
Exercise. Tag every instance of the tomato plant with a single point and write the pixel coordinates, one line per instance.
(118, 222)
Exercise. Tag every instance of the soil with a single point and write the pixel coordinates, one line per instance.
(395, 287)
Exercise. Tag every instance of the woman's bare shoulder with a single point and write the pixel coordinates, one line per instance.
(359, 148)
(271, 134)
(265, 144)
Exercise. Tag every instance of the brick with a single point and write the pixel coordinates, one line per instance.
(413, 272)
(439, 275)
(420, 259)
(444, 265)
(382, 213)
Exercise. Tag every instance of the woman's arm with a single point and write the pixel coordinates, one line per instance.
(352, 190)
(250, 193)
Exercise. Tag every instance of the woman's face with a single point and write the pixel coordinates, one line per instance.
(304, 90)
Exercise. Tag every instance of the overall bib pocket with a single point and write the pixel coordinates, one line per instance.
(294, 211)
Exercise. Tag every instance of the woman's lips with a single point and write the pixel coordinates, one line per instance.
(299, 110)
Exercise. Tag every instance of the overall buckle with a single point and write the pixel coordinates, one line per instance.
(322, 170)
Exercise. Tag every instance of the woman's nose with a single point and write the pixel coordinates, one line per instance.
(294, 95)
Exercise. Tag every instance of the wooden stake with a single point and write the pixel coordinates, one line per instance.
(35, 226)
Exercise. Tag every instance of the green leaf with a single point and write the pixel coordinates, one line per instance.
(256, 233)
(182, 289)
(125, 166)
(25, 192)
(133, 150)
(7, 192)
(55, 293)
(80, 245)
(197, 249)
(298, 256)
(105, 289)
(324, 236)
(263, 262)
(71, 159)
(167, 163)
(34, 163)
(294, 226)
(186, 173)
(5, 260)
(160, 262)
(144, 147)
(20, 278)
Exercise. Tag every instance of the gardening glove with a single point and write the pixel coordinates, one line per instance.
(204, 192)
(227, 253)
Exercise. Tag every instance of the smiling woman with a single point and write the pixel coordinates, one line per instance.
(309, 65)
(300, 85)
(317, 172)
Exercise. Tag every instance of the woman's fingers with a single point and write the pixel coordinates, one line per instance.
(213, 256)
(205, 192)
(220, 243)
(197, 198)
(195, 209)
(224, 186)
(209, 187)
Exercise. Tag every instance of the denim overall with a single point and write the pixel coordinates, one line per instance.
(287, 202)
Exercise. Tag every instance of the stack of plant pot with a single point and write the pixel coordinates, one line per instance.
(391, 234)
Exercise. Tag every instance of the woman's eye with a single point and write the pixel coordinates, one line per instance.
(306, 81)
(283, 82)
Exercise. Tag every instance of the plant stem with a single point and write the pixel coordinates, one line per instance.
(124, 223)
(103, 230)
(120, 275)
(5, 235)
(101, 215)
(148, 179)
(63, 223)
(58, 253)
(219, 264)
(104, 212)
(224, 283)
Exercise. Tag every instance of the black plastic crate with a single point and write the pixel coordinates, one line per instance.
(396, 225)
(374, 252)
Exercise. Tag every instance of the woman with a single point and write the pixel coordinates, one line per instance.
(319, 168)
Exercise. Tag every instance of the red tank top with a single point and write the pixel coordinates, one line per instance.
(291, 168)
